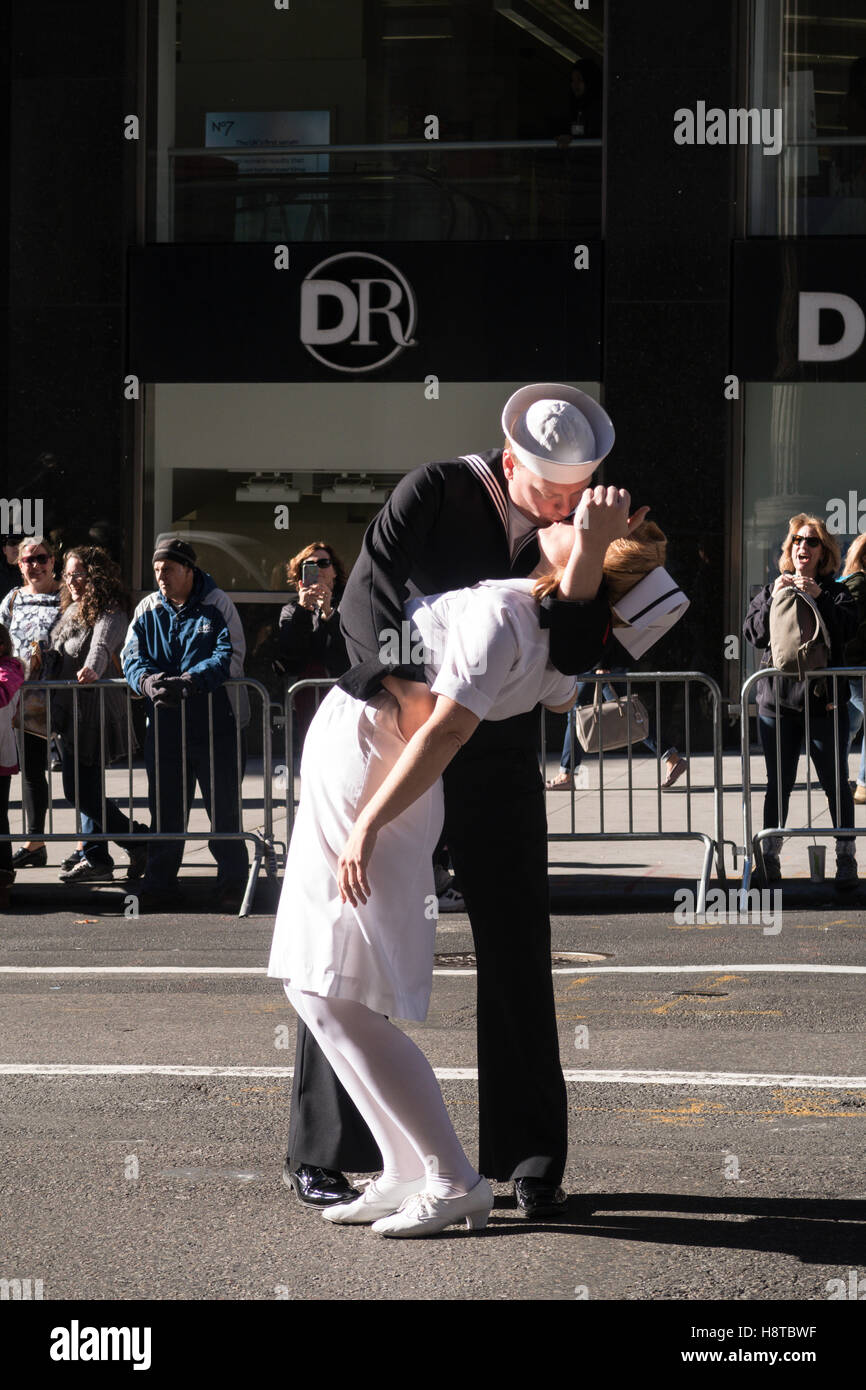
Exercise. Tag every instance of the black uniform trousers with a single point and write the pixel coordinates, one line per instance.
(496, 829)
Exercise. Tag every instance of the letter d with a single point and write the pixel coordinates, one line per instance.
(809, 345)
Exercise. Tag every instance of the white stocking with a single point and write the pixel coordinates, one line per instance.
(395, 1090)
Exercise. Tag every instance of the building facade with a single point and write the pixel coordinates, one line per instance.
(264, 258)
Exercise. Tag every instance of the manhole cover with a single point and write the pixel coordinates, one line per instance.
(579, 957)
(466, 959)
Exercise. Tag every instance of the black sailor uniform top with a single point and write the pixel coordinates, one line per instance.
(445, 526)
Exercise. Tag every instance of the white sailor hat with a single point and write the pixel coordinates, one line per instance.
(558, 432)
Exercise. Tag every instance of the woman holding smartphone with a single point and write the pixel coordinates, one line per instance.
(310, 643)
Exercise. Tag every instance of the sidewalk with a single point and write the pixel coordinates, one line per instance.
(635, 875)
(586, 875)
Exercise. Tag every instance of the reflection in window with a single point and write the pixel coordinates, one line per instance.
(812, 66)
(247, 98)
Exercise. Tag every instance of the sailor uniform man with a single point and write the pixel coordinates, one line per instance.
(448, 525)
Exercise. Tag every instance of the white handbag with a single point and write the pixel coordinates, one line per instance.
(612, 724)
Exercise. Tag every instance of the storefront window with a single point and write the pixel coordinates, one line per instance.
(804, 452)
(251, 473)
(469, 121)
(812, 66)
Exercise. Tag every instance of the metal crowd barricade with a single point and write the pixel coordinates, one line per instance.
(318, 685)
(754, 840)
(261, 839)
(713, 842)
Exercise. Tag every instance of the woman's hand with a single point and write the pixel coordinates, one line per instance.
(352, 878)
(604, 513)
(807, 586)
(602, 516)
(87, 675)
(314, 596)
(783, 582)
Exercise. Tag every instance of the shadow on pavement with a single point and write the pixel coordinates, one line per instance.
(815, 1230)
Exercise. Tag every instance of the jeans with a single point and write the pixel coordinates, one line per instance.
(830, 760)
(856, 716)
(90, 784)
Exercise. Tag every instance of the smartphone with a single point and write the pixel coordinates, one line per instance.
(309, 573)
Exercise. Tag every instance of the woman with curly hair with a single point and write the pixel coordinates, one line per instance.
(311, 644)
(84, 647)
(809, 561)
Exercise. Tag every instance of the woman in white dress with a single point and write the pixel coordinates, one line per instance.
(354, 945)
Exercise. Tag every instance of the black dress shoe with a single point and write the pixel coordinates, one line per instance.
(319, 1187)
(30, 858)
(538, 1197)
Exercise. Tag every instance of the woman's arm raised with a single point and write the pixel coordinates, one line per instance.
(422, 761)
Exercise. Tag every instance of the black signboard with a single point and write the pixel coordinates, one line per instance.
(460, 311)
(800, 310)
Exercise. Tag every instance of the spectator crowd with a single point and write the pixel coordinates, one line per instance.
(66, 618)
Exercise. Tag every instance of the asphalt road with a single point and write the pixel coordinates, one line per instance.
(145, 1185)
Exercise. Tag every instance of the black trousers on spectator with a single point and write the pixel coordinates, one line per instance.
(5, 845)
(34, 783)
(496, 828)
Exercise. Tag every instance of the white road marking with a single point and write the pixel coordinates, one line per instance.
(612, 1077)
(260, 970)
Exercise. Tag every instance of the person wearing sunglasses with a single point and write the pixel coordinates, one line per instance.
(809, 561)
(310, 643)
(30, 612)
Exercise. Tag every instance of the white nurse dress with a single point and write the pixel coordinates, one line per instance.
(484, 649)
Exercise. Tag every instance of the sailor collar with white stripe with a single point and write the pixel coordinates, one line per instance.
(498, 493)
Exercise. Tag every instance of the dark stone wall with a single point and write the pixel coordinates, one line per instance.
(668, 229)
(70, 81)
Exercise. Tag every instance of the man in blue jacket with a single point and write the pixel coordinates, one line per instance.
(183, 644)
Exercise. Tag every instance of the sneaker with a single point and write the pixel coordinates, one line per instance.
(860, 794)
(451, 901)
(846, 864)
(75, 858)
(426, 1215)
(85, 872)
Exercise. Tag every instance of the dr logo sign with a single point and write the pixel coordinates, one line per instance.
(358, 312)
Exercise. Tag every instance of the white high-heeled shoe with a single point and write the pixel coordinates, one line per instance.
(373, 1204)
(426, 1215)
